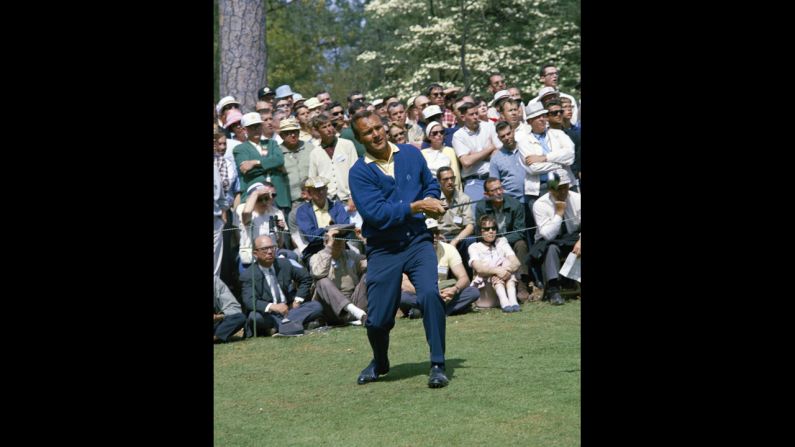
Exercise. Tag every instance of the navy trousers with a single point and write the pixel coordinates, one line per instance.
(306, 312)
(385, 266)
(458, 305)
(228, 326)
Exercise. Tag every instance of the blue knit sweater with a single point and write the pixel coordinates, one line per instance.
(385, 203)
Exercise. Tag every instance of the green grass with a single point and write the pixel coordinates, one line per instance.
(514, 380)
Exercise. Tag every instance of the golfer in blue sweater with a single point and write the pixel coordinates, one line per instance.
(391, 187)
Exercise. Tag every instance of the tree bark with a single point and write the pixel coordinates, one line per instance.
(243, 50)
(464, 71)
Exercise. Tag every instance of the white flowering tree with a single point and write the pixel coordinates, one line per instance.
(410, 43)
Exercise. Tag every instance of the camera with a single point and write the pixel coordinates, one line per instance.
(273, 223)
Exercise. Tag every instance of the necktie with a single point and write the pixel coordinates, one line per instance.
(563, 230)
(542, 139)
(270, 278)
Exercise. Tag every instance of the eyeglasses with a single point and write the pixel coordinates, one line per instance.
(555, 113)
(436, 133)
(336, 113)
(268, 248)
(551, 73)
(437, 94)
(484, 229)
(448, 179)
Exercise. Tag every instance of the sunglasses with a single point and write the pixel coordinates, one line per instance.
(336, 113)
(437, 94)
(555, 113)
(436, 133)
(484, 229)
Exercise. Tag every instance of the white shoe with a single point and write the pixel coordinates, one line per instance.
(360, 321)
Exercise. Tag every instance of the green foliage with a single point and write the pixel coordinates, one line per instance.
(309, 42)
(514, 380)
(514, 37)
(385, 46)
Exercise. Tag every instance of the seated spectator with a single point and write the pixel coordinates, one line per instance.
(271, 302)
(509, 215)
(340, 280)
(258, 216)
(456, 293)
(457, 224)
(227, 316)
(316, 215)
(494, 264)
(558, 216)
(295, 232)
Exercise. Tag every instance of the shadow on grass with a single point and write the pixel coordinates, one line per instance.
(408, 370)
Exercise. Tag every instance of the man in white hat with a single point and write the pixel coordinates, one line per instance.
(296, 157)
(315, 216)
(456, 292)
(493, 113)
(547, 94)
(315, 107)
(558, 215)
(223, 107)
(543, 150)
(380, 108)
(257, 163)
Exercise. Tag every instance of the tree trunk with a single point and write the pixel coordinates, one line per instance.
(464, 29)
(243, 50)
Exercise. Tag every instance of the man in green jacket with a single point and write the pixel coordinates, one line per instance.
(257, 163)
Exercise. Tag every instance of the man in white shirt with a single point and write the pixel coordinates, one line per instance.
(543, 150)
(558, 216)
(332, 158)
(474, 143)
